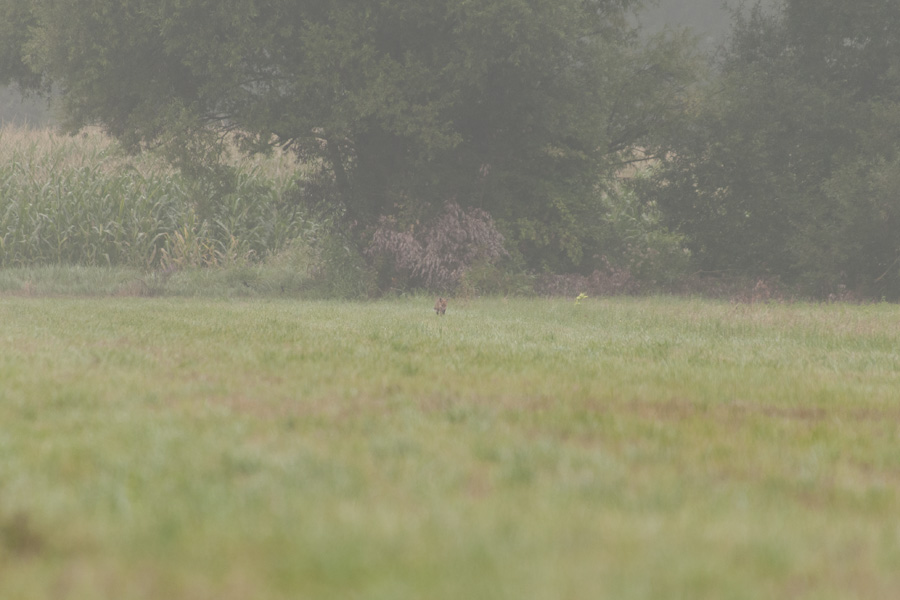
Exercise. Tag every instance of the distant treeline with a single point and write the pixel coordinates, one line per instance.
(489, 145)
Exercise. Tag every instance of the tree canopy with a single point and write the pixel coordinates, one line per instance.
(787, 165)
(522, 108)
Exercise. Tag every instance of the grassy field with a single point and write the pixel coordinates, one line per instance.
(187, 448)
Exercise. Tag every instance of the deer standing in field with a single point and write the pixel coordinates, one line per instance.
(440, 306)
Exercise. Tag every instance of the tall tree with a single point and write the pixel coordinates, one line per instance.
(776, 170)
(518, 107)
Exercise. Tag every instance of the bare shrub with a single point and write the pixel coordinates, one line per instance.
(734, 288)
(439, 254)
(608, 281)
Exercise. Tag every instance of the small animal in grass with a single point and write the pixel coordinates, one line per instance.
(440, 306)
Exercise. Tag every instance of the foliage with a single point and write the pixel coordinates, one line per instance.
(636, 239)
(608, 281)
(520, 108)
(78, 201)
(438, 254)
(785, 166)
(16, 20)
(503, 278)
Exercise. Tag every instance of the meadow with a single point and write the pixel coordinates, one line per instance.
(615, 448)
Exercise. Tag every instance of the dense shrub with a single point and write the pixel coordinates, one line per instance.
(786, 166)
(610, 281)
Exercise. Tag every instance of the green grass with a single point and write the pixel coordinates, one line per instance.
(273, 448)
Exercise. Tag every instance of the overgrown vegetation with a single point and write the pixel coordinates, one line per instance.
(80, 201)
(523, 109)
(438, 254)
(778, 166)
(787, 165)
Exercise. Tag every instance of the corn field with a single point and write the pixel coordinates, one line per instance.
(78, 200)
